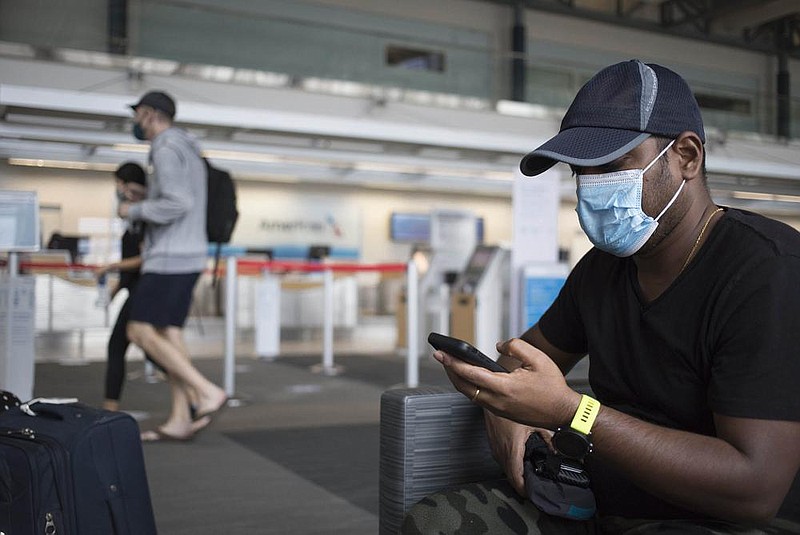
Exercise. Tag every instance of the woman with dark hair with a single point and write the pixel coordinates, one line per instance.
(131, 186)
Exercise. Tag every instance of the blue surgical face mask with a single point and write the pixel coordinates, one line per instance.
(138, 132)
(610, 209)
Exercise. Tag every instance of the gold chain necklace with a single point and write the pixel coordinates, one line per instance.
(699, 237)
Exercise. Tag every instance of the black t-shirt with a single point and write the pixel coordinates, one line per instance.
(723, 338)
(131, 246)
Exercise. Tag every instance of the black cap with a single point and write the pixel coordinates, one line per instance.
(615, 112)
(158, 100)
(131, 172)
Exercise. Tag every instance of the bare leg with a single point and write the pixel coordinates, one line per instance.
(175, 336)
(111, 405)
(171, 355)
(179, 423)
(201, 400)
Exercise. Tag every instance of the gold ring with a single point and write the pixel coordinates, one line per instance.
(475, 396)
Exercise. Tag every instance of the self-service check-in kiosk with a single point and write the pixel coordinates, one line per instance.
(479, 301)
(448, 237)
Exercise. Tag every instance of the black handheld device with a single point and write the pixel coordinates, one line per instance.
(464, 351)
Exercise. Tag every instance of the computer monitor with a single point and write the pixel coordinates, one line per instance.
(78, 246)
(410, 228)
(318, 252)
(416, 228)
(19, 221)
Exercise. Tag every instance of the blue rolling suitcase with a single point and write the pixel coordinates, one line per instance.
(72, 469)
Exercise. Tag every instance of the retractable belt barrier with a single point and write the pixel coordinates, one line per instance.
(234, 267)
(77, 274)
(57, 266)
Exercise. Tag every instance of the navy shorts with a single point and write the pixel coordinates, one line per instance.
(162, 299)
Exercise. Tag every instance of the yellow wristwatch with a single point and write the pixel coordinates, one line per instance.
(575, 441)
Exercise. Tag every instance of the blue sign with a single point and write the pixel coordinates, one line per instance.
(538, 294)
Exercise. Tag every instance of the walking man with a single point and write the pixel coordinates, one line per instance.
(173, 256)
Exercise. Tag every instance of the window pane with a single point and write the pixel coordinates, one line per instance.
(416, 59)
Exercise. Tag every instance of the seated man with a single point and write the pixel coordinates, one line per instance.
(688, 312)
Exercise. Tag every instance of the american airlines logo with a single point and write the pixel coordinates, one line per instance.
(329, 224)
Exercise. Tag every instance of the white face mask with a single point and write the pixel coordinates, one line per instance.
(610, 209)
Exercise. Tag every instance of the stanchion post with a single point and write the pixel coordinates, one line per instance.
(50, 289)
(231, 275)
(13, 265)
(149, 372)
(327, 367)
(412, 325)
(327, 323)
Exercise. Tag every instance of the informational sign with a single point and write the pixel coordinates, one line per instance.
(453, 238)
(19, 221)
(17, 324)
(540, 286)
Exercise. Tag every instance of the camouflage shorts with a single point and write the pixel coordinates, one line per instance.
(494, 507)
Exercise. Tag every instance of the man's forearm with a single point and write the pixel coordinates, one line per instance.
(160, 211)
(696, 472)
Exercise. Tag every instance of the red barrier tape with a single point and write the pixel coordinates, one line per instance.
(57, 266)
(248, 266)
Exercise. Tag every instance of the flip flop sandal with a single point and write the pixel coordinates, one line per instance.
(200, 415)
(158, 435)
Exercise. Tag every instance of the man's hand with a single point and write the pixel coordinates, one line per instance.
(532, 398)
(100, 271)
(122, 209)
(507, 440)
(535, 394)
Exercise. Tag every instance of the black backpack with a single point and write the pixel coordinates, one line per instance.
(221, 212)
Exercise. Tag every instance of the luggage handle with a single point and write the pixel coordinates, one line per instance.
(47, 406)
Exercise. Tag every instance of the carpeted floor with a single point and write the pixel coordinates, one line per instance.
(341, 459)
(298, 455)
(384, 371)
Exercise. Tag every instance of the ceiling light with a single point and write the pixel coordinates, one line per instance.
(498, 175)
(754, 196)
(61, 122)
(241, 156)
(131, 147)
(521, 109)
(63, 164)
(387, 168)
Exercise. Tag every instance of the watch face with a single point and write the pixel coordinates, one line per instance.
(571, 444)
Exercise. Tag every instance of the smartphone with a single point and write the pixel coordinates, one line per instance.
(464, 351)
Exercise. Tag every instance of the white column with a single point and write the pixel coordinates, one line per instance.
(535, 233)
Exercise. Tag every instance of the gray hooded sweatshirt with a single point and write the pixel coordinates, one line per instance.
(175, 208)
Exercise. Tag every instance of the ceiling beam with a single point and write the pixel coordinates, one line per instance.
(630, 18)
(696, 13)
(752, 14)
(207, 115)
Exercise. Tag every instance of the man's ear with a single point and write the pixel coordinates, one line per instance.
(691, 150)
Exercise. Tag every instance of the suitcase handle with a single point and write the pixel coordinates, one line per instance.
(47, 406)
